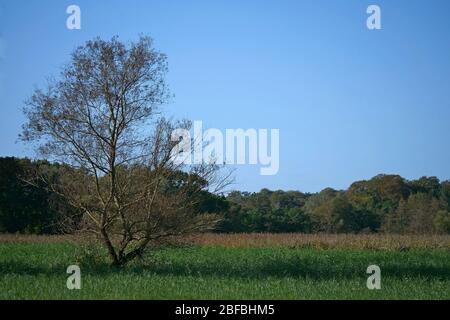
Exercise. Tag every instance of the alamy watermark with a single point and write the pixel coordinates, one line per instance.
(236, 146)
(373, 22)
(374, 280)
(74, 280)
(73, 21)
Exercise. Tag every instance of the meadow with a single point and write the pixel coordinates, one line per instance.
(245, 266)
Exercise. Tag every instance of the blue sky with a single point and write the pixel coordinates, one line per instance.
(350, 103)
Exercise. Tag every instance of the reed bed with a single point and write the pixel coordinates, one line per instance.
(325, 241)
(291, 240)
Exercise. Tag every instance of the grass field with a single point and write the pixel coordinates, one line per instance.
(35, 268)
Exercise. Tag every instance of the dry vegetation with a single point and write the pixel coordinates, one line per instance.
(291, 240)
(326, 241)
(25, 238)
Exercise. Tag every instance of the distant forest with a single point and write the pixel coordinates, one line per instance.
(384, 204)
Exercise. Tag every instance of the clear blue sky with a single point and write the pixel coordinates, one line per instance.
(350, 103)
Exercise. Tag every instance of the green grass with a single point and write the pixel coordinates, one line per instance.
(38, 271)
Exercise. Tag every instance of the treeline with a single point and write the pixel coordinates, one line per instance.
(385, 203)
(26, 205)
(29, 204)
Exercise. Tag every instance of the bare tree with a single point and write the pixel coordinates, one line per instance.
(101, 118)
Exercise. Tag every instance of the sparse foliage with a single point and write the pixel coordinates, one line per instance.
(101, 117)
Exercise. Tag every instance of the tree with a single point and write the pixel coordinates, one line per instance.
(417, 214)
(102, 118)
(445, 193)
(429, 185)
(321, 210)
(442, 222)
(377, 200)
